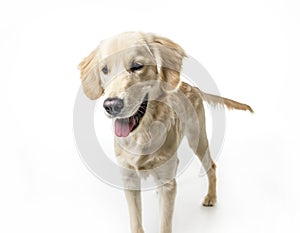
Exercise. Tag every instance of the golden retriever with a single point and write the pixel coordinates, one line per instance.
(139, 76)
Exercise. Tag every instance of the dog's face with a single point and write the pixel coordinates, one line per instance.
(128, 70)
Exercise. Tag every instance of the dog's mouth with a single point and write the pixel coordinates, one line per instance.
(124, 126)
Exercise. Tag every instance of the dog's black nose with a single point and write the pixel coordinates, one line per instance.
(113, 105)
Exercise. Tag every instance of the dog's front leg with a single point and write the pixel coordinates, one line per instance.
(167, 193)
(135, 210)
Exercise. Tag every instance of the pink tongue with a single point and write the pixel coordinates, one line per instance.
(124, 126)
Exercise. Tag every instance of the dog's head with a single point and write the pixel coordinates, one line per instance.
(128, 69)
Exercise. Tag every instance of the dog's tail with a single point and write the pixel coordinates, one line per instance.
(230, 104)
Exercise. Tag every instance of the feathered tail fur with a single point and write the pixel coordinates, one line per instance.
(230, 104)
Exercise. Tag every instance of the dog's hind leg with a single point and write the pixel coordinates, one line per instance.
(201, 148)
(209, 166)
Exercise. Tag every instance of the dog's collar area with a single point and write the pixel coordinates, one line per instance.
(124, 126)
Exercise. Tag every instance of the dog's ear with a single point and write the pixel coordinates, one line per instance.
(169, 56)
(89, 75)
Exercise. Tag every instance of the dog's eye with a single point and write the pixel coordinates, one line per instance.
(136, 66)
(105, 70)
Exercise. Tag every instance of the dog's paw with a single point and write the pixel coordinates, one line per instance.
(209, 201)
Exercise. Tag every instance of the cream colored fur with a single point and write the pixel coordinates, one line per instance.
(160, 77)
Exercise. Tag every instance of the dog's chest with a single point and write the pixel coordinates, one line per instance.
(150, 152)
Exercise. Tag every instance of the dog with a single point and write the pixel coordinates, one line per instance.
(138, 74)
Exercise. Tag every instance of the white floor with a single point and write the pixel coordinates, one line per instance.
(251, 49)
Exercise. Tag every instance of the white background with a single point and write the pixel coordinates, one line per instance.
(251, 49)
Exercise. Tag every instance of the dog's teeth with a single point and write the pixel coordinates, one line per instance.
(137, 119)
(140, 112)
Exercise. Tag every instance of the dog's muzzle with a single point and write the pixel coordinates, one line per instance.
(124, 126)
